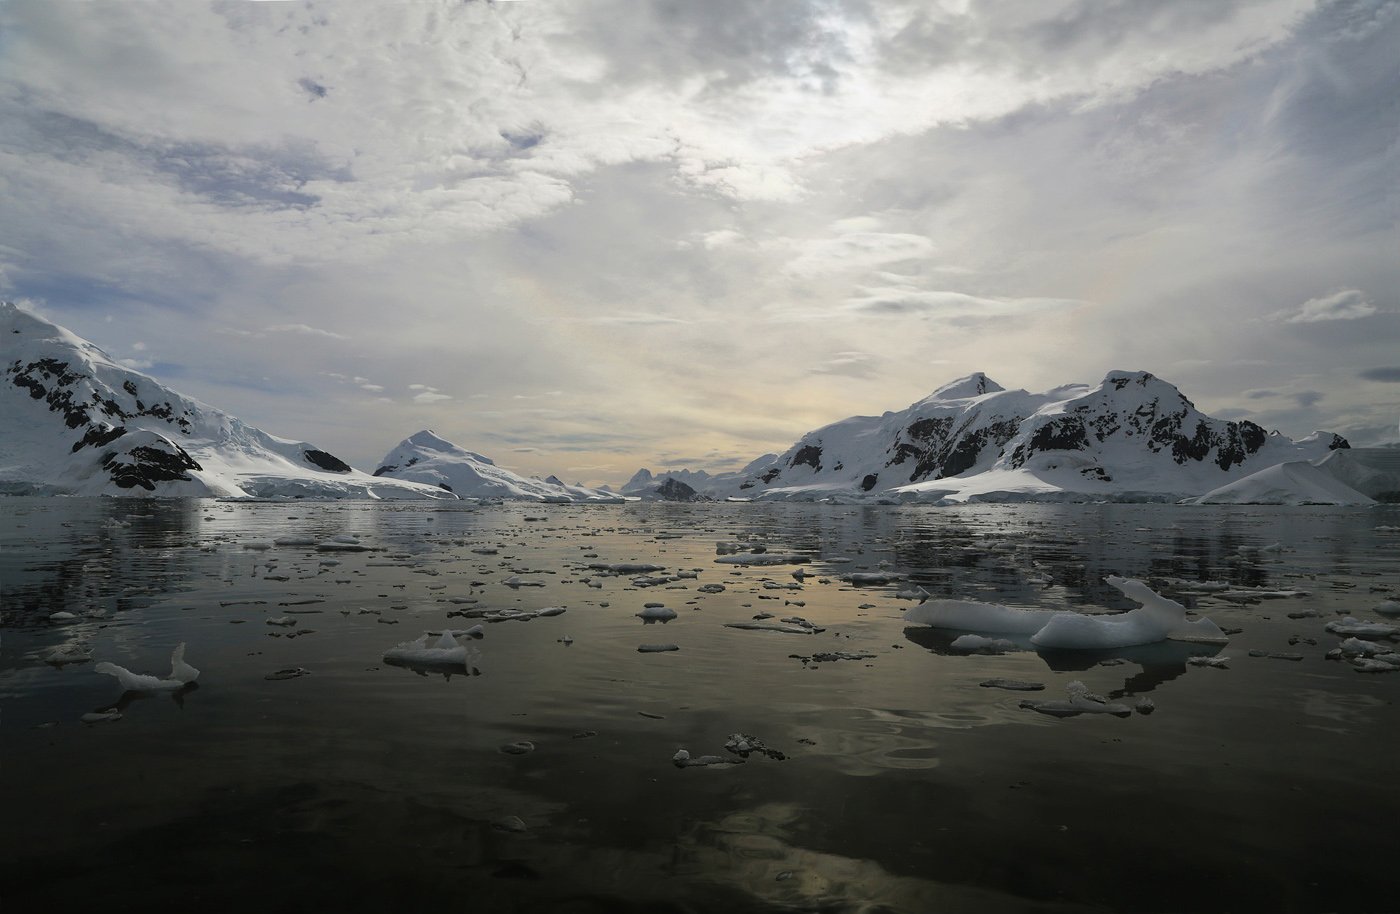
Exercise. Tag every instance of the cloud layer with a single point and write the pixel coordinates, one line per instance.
(708, 227)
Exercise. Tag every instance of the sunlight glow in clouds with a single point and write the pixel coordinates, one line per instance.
(707, 227)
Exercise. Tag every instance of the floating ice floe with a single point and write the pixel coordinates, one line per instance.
(181, 675)
(763, 558)
(655, 612)
(743, 745)
(682, 759)
(626, 567)
(62, 615)
(1356, 628)
(433, 650)
(1387, 608)
(295, 541)
(1218, 662)
(97, 717)
(515, 581)
(794, 625)
(71, 652)
(1080, 701)
(656, 648)
(872, 578)
(1156, 619)
(1013, 685)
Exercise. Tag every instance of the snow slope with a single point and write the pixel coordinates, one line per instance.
(74, 422)
(1132, 436)
(1297, 482)
(428, 459)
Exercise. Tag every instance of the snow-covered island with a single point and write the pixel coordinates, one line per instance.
(1131, 437)
(77, 422)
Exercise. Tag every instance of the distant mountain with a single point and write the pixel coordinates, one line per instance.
(1132, 436)
(426, 458)
(74, 422)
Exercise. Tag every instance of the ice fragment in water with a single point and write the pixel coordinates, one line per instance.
(294, 541)
(68, 653)
(1353, 626)
(62, 616)
(1014, 685)
(289, 673)
(181, 675)
(682, 759)
(1156, 619)
(428, 651)
(519, 747)
(655, 612)
(656, 648)
(1218, 663)
(1387, 608)
(96, 717)
(1081, 701)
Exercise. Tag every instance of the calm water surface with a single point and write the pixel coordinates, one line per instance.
(1266, 786)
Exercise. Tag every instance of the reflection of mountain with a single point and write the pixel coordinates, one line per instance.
(87, 555)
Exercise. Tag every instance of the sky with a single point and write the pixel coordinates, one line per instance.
(586, 237)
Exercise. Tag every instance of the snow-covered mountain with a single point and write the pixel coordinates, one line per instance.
(1131, 436)
(426, 458)
(74, 422)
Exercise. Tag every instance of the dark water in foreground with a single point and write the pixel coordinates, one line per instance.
(1267, 786)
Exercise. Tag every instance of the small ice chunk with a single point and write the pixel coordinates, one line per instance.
(1218, 663)
(71, 652)
(655, 612)
(282, 620)
(519, 747)
(181, 674)
(1355, 627)
(550, 611)
(294, 541)
(682, 759)
(804, 628)
(97, 717)
(515, 581)
(288, 673)
(656, 648)
(763, 558)
(425, 650)
(1014, 685)
(258, 545)
(872, 578)
(1387, 608)
(1081, 701)
(62, 615)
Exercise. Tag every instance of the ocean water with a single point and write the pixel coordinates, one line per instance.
(903, 784)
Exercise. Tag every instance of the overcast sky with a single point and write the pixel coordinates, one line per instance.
(585, 237)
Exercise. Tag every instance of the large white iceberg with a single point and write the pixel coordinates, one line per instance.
(1156, 619)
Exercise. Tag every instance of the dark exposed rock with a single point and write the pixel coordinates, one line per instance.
(675, 490)
(99, 436)
(384, 470)
(869, 482)
(771, 475)
(326, 461)
(809, 455)
(147, 465)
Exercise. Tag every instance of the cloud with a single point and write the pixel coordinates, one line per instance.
(1386, 375)
(427, 394)
(304, 329)
(853, 251)
(1346, 305)
(948, 304)
(851, 364)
